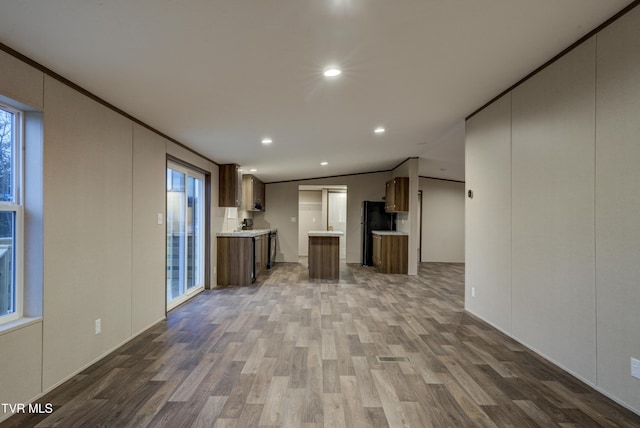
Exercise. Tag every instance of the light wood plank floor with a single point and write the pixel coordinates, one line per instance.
(369, 351)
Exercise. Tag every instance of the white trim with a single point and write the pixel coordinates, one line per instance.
(15, 206)
(10, 327)
(184, 297)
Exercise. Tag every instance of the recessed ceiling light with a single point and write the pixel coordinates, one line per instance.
(267, 141)
(379, 130)
(324, 163)
(332, 72)
(253, 170)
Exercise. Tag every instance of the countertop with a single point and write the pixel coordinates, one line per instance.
(389, 232)
(245, 233)
(335, 233)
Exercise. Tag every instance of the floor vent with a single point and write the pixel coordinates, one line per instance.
(392, 359)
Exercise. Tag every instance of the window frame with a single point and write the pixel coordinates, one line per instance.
(16, 206)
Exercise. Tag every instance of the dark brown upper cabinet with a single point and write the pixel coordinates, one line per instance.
(230, 185)
(397, 195)
(252, 193)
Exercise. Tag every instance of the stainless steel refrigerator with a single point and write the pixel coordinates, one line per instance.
(373, 217)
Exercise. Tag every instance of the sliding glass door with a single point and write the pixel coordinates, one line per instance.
(185, 233)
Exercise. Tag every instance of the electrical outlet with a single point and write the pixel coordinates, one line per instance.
(98, 326)
(473, 292)
(635, 368)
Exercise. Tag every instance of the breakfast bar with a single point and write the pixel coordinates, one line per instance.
(324, 254)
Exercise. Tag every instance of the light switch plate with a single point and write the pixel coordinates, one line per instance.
(160, 218)
(635, 368)
(98, 326)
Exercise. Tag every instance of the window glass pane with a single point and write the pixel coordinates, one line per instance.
(175, 181)
(194, 233)
(175, 235)
(6, 155)
(7, 251)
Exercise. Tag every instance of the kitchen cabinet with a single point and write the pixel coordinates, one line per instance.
(252, 193)
(390, 252)
(234, 260)
(324, 254)
(376, 253)
(242, 256)
(230, 185)
(397, 195)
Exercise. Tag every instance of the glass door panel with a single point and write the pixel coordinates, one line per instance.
(194, 238)
(175, 234)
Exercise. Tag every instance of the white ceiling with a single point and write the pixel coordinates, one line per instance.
(218, 76)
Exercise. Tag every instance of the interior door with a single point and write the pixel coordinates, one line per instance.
(337, 217)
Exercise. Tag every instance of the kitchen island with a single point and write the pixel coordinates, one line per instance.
(324, 254)
(241, 256)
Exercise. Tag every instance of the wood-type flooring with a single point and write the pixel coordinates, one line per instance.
(371, 350)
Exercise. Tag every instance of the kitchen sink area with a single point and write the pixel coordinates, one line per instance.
(245, 254)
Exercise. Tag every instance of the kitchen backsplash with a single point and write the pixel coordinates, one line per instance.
(402, 222)
(233, 219)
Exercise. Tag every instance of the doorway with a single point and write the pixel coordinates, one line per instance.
(337, 216)
(321, 207)
(185, 233)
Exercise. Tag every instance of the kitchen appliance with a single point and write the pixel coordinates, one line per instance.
(247, 224)
(273, 238)
(257, 256)
(373, 217)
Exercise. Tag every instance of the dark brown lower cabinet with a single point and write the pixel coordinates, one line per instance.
(390, 253)
(324, 257)
(239, 258)
(235, 260)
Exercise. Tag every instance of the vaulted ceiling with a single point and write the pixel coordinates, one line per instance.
(221, 75)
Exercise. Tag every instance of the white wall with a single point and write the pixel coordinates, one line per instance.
(442, 220)
(553, 287)
(573, 136)
(617, 197)
(149, 160)
(92, 225)
(488, 214)
(309, 217)
(21, 82)
(88, 229)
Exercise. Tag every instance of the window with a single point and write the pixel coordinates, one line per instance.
(10, 214)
